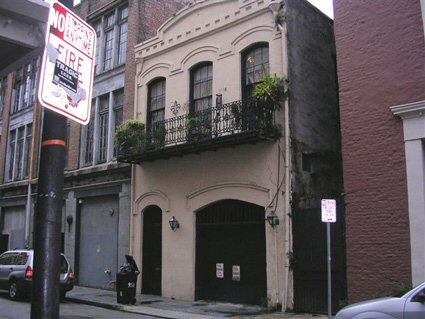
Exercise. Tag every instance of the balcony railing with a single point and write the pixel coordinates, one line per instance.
(224, 125)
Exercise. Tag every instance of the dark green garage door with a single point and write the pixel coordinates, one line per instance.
(231, 253)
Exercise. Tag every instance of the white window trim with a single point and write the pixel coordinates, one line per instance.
(413, 116)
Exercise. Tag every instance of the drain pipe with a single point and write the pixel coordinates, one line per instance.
(278, 10)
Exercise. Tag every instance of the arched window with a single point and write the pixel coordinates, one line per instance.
(156, 101)
(156, 110)
(255, 66)
(201, 79)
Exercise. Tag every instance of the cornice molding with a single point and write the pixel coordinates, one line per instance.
(409, 110)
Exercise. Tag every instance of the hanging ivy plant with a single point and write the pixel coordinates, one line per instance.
(130, 137)
(271, 90)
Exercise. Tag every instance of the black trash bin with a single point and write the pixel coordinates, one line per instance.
(126, 281)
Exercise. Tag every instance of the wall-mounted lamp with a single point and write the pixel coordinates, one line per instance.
(273, 219)
(69, 221)
(174, 223)
(218, 99)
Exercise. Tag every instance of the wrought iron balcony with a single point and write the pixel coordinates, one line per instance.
(238, 122)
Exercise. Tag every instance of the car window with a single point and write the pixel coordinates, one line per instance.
(419, 296)
(5, 259)
(13, 258)
(63, 265)
(21, 259)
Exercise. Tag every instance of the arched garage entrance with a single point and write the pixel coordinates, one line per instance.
(231, 253)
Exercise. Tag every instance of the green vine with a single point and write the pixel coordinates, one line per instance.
(271, 90)
(130, 136)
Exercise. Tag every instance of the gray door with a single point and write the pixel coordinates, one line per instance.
(14, 226)
(98, 241)
(309, 262)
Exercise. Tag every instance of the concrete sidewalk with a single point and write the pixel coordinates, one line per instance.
(160, 307)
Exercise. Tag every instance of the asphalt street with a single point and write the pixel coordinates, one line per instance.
(68, 310)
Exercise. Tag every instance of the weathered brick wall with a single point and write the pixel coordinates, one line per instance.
(145, 17)
(314, 128)
(380, 56)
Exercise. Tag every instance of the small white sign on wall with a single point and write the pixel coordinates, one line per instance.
(219, 270)
(236, 273)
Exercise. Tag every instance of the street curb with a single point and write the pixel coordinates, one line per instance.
(94, 303)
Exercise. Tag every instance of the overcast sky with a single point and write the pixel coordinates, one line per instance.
(325, 6)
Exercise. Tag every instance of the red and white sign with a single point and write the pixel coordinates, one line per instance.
(67, 69)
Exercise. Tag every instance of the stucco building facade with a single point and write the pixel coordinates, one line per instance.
(222, 164)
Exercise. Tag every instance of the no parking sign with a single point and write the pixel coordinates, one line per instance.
(66, 77)
(328, 210)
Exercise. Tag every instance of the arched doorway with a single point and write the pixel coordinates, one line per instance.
(231, 253)
(152, 251)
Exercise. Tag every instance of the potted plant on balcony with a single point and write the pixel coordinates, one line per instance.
(193, 125)
(158, 134)
(271, 91)
(130, 137)
(269, 94)
(236, 110)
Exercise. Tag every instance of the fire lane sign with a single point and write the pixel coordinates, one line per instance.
(66, 77)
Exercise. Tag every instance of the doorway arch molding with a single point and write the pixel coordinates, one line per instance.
(245, 191)
(152, 198)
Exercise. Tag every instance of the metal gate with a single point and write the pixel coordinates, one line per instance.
(231, 253)
(310, 262)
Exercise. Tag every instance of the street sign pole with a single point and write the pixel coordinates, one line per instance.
(47, 220)
(328, 232)
(48, 216)
(328, 217)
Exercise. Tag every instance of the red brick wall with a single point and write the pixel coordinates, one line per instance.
(381, 59)
(145, 17)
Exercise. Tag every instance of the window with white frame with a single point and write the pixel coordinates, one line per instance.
(111, 47)
(24, 86)
(19, 152)
(98, 136)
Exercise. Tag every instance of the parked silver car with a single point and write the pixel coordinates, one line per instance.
(16, 271)
(409, 306)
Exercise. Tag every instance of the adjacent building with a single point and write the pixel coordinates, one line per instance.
(381, 71)
(97, 189)
(21, 42)
(228, 182)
